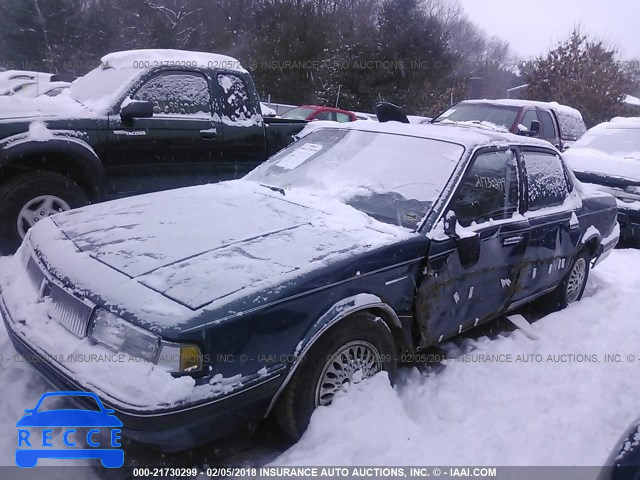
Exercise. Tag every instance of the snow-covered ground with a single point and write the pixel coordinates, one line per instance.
(566, 405)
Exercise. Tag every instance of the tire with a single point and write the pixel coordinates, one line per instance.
(33, 190)
(357, 334)
(572, 286)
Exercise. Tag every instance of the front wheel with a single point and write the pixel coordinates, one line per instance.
(355, 349)
(29, 198)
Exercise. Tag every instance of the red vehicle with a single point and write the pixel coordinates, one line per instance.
(315, 112)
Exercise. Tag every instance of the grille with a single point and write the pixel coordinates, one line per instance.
(66, 309)
(70, 312)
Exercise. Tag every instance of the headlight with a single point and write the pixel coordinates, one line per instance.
(122, 336)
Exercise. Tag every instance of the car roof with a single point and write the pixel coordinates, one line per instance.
(620, 122)
(320, 107)
(513, 102)
(130, 58)
(469, 136)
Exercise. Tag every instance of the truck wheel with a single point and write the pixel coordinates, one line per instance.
(355, 349)
(572, 286)
(31, 197)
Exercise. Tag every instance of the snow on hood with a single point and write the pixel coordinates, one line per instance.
(589, 160)
(206, 244)
(16, 106)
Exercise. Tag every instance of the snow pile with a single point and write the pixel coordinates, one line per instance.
(564, 410)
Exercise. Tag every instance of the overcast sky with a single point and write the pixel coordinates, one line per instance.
(531, 27)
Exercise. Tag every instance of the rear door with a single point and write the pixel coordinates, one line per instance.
(176, 147)
(549, 130)
(456, 295)
(555, 230)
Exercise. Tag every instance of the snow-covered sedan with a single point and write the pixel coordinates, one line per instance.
(608, 156)
(196, 312)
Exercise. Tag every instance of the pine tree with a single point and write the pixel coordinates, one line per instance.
(581, 73)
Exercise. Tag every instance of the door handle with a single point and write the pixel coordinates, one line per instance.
(512, 241)
(209, 134)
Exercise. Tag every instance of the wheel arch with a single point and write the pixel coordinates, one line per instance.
(68, 156)
(332, 317)
(590, 242)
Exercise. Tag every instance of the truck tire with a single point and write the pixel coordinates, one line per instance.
(356, 348)
(30, 197)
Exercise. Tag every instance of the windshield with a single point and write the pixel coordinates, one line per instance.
(298, 113)
(500, 115)
(618, 142)
(393, 178)
(99, 86)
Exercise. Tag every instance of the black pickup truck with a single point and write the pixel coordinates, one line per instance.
(142, 121)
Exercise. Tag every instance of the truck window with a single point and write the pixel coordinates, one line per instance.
(546, 179)
(548, 127)
(529, 117)
(234, 98)
(489, 189)
(176, 93)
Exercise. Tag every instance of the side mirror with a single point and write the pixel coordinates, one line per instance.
(137, 109)
(467, 243)
(534, 129)
(450, 224)
(468, 250)
(388, 112)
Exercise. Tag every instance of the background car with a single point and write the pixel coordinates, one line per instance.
(315, 112)
(558, 124)
(33, 90)
(624, 461)
(608, 156)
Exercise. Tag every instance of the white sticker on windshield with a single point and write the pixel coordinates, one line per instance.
(448, 112)
(301, 155)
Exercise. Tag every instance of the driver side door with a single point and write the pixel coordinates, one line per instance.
(178, 146)
(463, 288)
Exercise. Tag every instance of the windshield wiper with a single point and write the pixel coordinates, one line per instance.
(275, 189)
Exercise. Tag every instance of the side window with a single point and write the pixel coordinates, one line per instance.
(546, 179)
(489, 189)
(325, 115)
(343, 117)
(234, 98)
(176, 93)
(529, 117)
(548, 126)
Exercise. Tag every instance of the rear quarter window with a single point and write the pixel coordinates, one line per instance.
(546, 180)
(572, 127)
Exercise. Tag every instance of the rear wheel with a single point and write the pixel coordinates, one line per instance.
(29, 198)
(355, 349)
(572, 286)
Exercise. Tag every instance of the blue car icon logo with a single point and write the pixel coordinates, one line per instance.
(79, 437)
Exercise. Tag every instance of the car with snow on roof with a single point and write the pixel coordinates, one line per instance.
(202, 310)
(142, 121)
(558, 124)
(608, 157)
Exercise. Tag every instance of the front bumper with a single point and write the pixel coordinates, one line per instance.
(629, 220)
(169, 430)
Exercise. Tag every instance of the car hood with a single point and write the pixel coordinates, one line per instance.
(596, 164)
(205, 246)
(17, 108)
